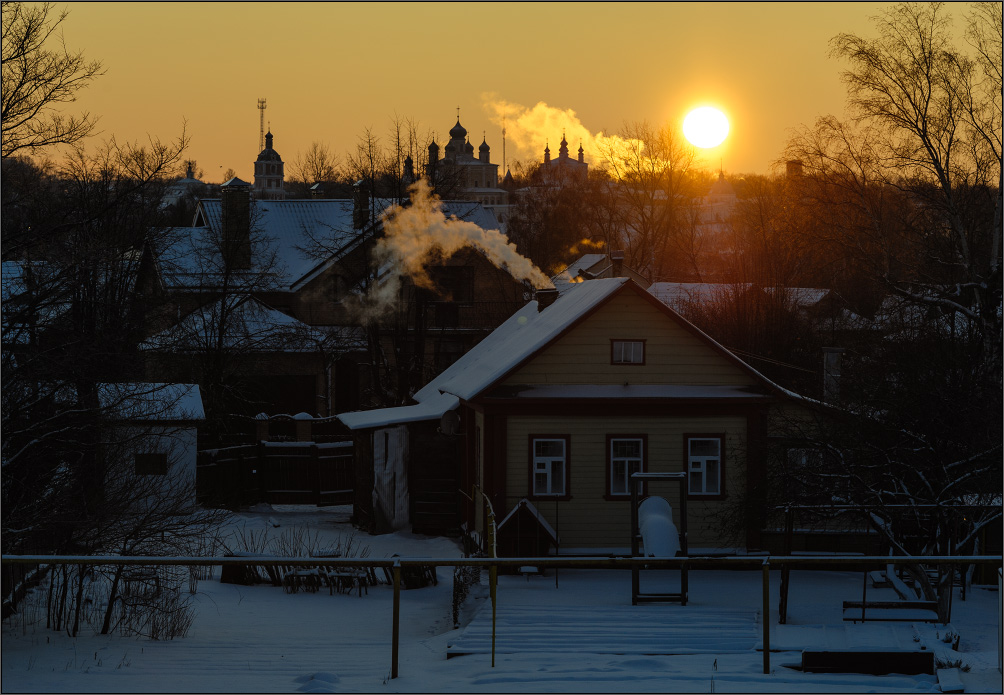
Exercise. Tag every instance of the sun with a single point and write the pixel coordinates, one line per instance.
(706, 127)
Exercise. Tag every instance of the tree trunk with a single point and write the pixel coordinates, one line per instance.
(81, 571)
(112, 597)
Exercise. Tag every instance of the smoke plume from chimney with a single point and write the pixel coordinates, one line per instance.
(419, 233)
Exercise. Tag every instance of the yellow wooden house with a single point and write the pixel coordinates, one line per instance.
(573, 393)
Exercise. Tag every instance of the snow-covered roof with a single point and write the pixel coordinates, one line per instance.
(676, 295)
(295, 230)
(803, 297)
(536, 514)
(292, 226)
(250, 327)
(432, 408)
(569, 276)
(137, 401)
(522, 334)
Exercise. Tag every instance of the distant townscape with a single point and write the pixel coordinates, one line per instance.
(616, 353)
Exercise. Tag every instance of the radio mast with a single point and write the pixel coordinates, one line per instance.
(261, 126)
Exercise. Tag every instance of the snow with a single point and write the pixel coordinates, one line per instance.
(432, 409)
(530, 507)
(293, 228)
(658, 532)
(260, 639)
(522, 334)
(251, 326)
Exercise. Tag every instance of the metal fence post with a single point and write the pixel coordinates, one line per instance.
(396, 635)
(493, 578)
(766, 616)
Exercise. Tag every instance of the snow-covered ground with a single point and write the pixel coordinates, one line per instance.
(260, 639)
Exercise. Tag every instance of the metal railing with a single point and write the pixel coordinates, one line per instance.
(764, 563)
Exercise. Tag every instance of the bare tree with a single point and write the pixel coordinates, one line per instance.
(74, 308)
(651, 184)
(909, 195)
(39, 75)
(316, 165)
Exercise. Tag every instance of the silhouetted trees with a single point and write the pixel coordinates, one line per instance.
(39, 75)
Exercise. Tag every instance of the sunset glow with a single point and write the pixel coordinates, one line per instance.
(706, 127)
(152, 92)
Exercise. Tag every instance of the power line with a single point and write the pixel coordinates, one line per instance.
(772, 361)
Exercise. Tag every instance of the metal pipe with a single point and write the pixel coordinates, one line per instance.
(570, 561)
(396, 631)
(766, 616)
(493, 578)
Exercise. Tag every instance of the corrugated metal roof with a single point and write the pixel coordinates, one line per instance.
(293, 227)
(303, 234)
(251, 327)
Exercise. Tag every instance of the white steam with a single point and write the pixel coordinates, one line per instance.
(419, 233)
(530, 129)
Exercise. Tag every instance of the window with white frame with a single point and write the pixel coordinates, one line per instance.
(626, 456)
(627, 352)
(549, 468)
(704, 465)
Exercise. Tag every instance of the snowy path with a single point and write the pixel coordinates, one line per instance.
(637, 630)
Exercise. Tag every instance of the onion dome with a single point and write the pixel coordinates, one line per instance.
(269, 154)
(484, 146)
(469, 148)
(458, 132)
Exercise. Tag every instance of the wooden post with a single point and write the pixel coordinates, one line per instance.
(315, 473)
(766, 616)
(864, 596)
(493, 578)
(396, 633)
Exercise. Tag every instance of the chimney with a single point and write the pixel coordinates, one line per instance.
(617, 264)
(794, 168)
(831, 374)
(360, 205)
(545, 297)
(235, 201)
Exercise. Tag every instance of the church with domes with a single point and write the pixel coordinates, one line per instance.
(564, 168)
(468, 177)
(268, 173)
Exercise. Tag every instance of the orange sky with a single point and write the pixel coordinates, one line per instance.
(329, 71)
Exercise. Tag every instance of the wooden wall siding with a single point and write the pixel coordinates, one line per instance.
(588, 520)
(673, 355)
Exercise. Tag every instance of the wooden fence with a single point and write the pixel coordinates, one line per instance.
(277, 473)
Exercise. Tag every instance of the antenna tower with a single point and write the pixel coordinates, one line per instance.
(261, 125)
(503, 143)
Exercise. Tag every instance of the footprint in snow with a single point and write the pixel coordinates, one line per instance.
(320, 682)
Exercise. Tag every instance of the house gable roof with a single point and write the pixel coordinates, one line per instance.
(251, 326)
(529, 333)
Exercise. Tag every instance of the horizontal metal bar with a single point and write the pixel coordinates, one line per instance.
(582, 562)
(862, 507)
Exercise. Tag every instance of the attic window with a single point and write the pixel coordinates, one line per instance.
(627, 352)
(151, 464)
